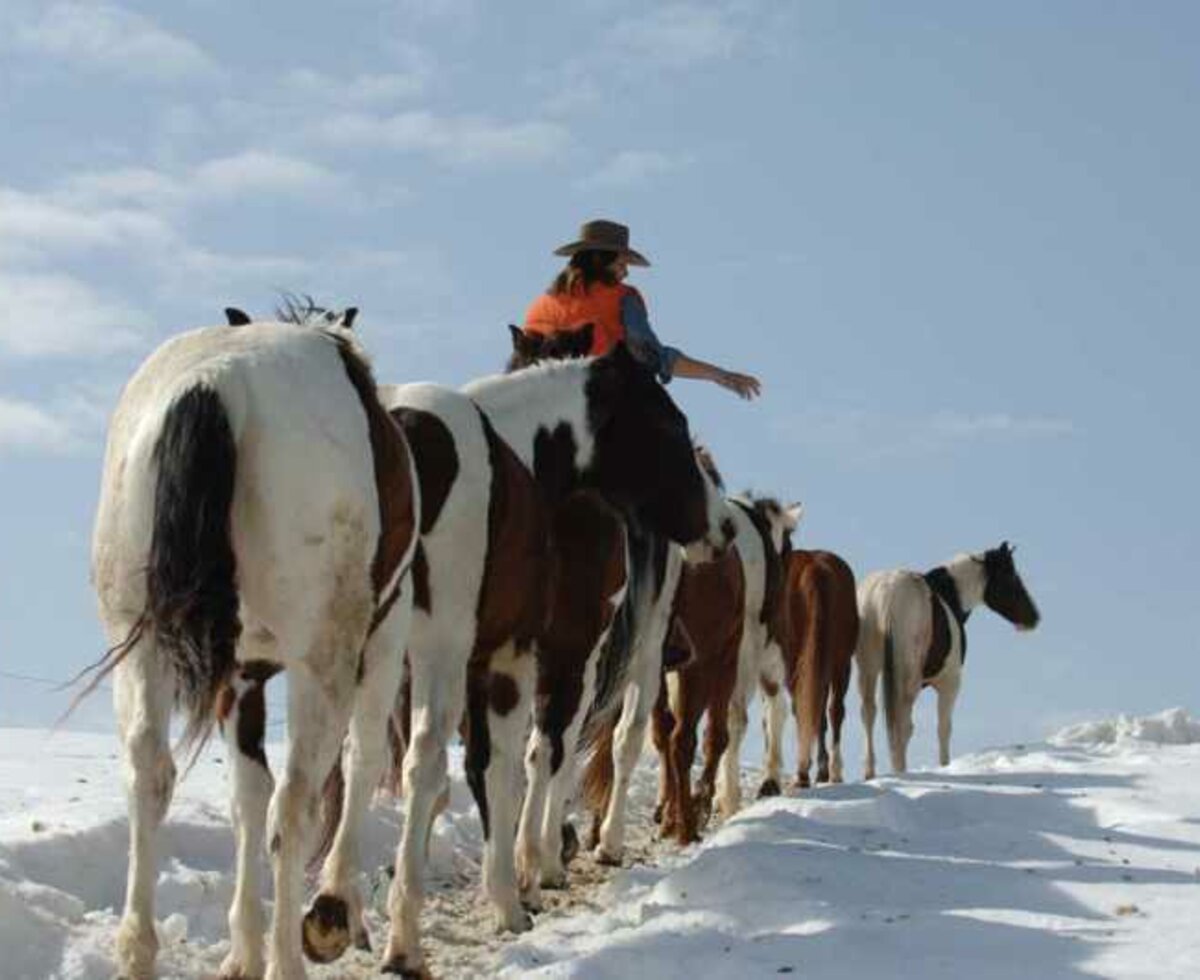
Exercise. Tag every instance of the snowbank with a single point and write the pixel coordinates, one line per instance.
(1172, 727)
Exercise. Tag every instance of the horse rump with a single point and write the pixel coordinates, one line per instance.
(191, 610)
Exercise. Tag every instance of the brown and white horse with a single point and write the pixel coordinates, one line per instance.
(823, 631)
(620, 698)
(735, 617)
(258, 511)
(913, 630)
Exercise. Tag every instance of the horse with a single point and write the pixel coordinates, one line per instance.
(646, 442)
(530, 348)
(709, 604)
(258, 512)
(823, 620)
(626, 683)
(913, 629)
(734, 614)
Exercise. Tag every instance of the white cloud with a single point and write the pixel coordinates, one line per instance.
(108, 36)
(32, 223)
(27, 426)
(53, 315)
(676, 35)
(462, 140)
(874, 436)
(631, 167)
(257, 172)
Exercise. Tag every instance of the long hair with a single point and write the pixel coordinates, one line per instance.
(585, 268)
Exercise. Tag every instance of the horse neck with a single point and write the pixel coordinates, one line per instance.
(538, 399)
(970, 578)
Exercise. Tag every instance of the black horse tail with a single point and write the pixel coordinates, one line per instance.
(891, 683)
(191, 576)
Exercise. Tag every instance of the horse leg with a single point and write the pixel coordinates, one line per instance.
(142, 695)
(683, 753)
(947, 693)
(837, 715)
(242, 710)
(509, 689)
(868, 683)
(662, 723)
(640, 697)
(822, 752)
(774, 717)
(335, 918)
(320, 697)
(562, 789)
(729, 780)
(436, 707)
(903, 724)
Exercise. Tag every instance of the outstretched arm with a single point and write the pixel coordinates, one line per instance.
(668, 362)
(745, 385)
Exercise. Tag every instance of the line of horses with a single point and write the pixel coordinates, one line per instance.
(542, 561)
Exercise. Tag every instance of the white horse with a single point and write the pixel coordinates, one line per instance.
(258, 511)
(913, 630)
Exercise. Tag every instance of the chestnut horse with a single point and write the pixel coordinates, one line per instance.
(823, 630)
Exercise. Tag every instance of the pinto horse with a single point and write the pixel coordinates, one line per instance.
(823, 621)
(913, 630)
(258, 511)
(734, 615)
(628, 442)
(618, 696)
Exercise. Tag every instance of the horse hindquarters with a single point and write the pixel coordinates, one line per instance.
(165, 509)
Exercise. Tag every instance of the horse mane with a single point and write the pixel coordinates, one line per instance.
(707, 463)
(299, 309)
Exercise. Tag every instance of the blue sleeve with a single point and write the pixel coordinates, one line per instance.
(643, 343)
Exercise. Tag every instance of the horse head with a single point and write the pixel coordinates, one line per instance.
(645, 458)
(530, 348)
(1004, 592)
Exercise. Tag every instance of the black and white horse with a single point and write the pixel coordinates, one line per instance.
(913, 630)
(258, 511)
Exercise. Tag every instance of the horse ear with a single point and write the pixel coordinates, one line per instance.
(348, 317)
(518, 336)
(236, 317)
(792, 515)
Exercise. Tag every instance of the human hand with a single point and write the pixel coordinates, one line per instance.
(744, 385)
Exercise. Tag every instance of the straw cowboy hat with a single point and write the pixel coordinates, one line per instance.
(603, 236)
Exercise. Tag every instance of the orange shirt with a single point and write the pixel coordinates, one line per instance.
(599, 305)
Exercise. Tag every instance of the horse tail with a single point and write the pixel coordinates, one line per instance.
(598, 769)
(810, 688)
(191, 588)
(891, 683)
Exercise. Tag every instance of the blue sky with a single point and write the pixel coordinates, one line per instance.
(956, 241)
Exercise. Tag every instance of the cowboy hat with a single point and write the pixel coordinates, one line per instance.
(603, 236)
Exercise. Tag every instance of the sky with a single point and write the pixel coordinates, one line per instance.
(957, 243)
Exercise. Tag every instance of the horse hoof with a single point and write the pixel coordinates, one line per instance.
(770, 787)
(326, 929)
(608, 860)
(570, 843)
(398, 966)
(362, 941)
(803, 782)
(658, 814)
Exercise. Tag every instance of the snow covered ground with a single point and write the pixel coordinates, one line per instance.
(1075, 857)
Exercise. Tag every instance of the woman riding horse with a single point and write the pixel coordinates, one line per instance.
(591, 289)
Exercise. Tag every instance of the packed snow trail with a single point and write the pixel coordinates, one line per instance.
(1076, 857)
